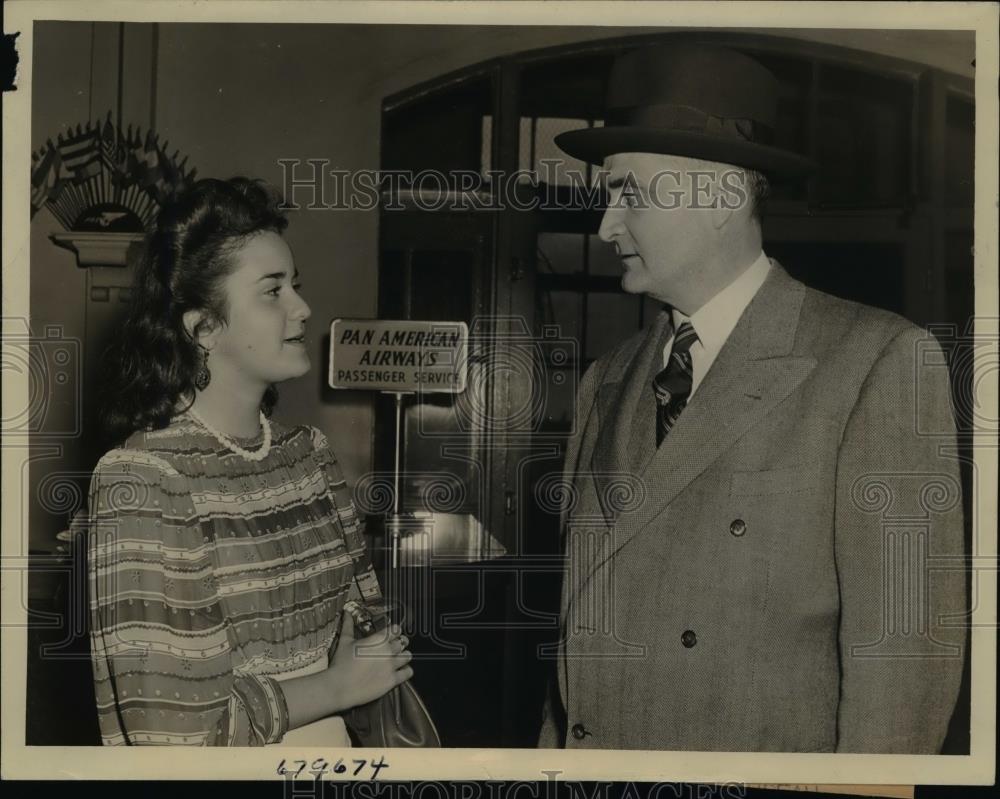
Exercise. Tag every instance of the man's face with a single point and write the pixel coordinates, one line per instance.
(659, 220)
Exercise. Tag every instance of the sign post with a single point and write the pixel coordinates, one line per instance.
(394, 533)
(398, 358)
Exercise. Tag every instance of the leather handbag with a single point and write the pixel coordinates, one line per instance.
(396, 719)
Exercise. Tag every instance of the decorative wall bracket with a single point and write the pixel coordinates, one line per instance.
(99, 249)
(105, 186)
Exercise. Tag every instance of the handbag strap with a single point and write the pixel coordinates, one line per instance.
(379, 615)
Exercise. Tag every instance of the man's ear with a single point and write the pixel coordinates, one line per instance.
(199, 328)
(721, 217)
(732, 197)
(722, 209)
(721, 213)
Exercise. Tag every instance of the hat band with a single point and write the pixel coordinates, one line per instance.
(693, 120)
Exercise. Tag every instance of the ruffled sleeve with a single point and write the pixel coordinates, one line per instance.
(161, 655)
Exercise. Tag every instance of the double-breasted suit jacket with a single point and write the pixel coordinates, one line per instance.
(784, 572)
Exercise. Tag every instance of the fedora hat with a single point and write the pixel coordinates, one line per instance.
(691, 100)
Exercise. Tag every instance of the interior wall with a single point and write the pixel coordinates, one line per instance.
(61, 99)
(236, 98)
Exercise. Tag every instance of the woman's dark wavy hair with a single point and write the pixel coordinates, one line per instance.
(150, 367)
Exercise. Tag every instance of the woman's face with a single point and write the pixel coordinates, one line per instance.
(264, 339)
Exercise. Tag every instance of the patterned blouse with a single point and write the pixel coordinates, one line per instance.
(210, 575)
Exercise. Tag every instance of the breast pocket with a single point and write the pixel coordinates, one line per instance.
(797, 479)
(784, 514)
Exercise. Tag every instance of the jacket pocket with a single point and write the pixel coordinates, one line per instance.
(789, 480)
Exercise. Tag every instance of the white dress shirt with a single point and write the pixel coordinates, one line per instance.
(715, 320)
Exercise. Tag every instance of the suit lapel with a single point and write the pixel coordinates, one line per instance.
(620, 402)
(752, 374)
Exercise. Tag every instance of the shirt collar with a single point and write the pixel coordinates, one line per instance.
(715, 320)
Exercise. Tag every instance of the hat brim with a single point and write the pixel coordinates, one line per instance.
(593, 145)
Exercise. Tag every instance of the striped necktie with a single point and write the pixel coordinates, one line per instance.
(672, 385)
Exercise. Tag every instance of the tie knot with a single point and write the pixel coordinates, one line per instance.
(685, 337)
(673, 383)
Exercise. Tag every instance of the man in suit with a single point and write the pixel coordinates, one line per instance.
(758, 517)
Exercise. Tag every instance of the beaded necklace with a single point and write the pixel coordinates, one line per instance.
(226, 441)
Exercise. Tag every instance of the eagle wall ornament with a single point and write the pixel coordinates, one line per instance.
(101, 179)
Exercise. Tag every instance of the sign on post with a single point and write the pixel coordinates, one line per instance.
(398, 356)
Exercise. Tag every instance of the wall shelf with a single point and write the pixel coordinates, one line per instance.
(98, 249)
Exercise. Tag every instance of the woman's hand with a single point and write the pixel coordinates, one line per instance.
(363, 669)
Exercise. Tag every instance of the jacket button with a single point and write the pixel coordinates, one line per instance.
(579, 731)
(738, 527)
(688, 638)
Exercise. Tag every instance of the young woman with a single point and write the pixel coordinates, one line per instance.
(223, 546)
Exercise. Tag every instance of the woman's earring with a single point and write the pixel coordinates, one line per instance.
(202, 377)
